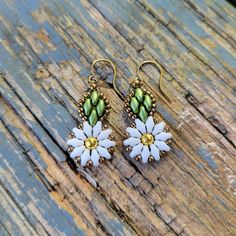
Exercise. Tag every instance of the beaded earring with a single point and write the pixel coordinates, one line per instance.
(146, 139)
(91, 142)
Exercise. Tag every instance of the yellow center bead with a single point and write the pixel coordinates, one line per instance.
(147, 139)
(91, 143)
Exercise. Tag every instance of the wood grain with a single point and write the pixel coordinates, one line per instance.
(46, 49)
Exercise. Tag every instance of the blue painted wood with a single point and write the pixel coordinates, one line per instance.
(46, 49)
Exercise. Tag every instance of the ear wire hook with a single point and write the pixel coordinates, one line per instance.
(159, 67)
(93, 78)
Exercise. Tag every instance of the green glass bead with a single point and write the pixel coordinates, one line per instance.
(87, 106)
(93, 117)
(134, 105)
(100, 107)
(139, 94)
(143, 115)
(147, 102)
(94, 97)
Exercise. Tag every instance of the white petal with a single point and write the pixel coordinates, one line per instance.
(150, 124)
(79, 134)
(104, 134)
(158, 128)
(162, 146)
(131, 141)
(133, 132)
(155, 152)
(77, 152)
(106, 143)
(163, 136)
(87, 129)
(74, 142)
(97, 129)
(140, 126)
(85, 157)
(145, 154)
(136, 150)
(95, 157)
(103, 152)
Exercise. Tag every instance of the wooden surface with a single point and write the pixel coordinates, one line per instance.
(46, 48)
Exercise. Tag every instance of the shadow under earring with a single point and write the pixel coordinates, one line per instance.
(91, 142)
(146, 139)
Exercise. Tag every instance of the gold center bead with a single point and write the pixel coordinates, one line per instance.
(91, 143)
(147, 139)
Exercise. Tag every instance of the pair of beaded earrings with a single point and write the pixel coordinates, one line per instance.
(92, 141)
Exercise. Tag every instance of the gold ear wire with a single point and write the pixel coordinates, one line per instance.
(93, 78)
(159, 67)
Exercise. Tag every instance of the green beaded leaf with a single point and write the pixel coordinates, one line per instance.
(139, 94)
(147, 102)
(94, 97)
(143, 115)
(87, 106)
(141, 104)
(101, 107)
(93, 117)
(134, 105)
(93, 107)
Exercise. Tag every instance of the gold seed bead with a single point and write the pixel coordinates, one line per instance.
(151, 95)
(126, 135)
(156, 120)
(138, 158)
(102, 160)
(105, 126)
(101, 94)
(128, 149)
(166, 129)
(112, 137)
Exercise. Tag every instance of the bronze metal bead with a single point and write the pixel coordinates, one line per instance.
(70, 149)
(169, 141)
(162, 153)
(105, 126)
(102, 160)
(151, 158)
(71, 135)
(128, 149)
(77, 160)
(111, 150)
(111, 137)
(138, 158)
(89, 163)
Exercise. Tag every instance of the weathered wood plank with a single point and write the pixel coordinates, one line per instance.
(46, 49)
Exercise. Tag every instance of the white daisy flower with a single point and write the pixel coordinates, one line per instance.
(91, 143)
(147, 139)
